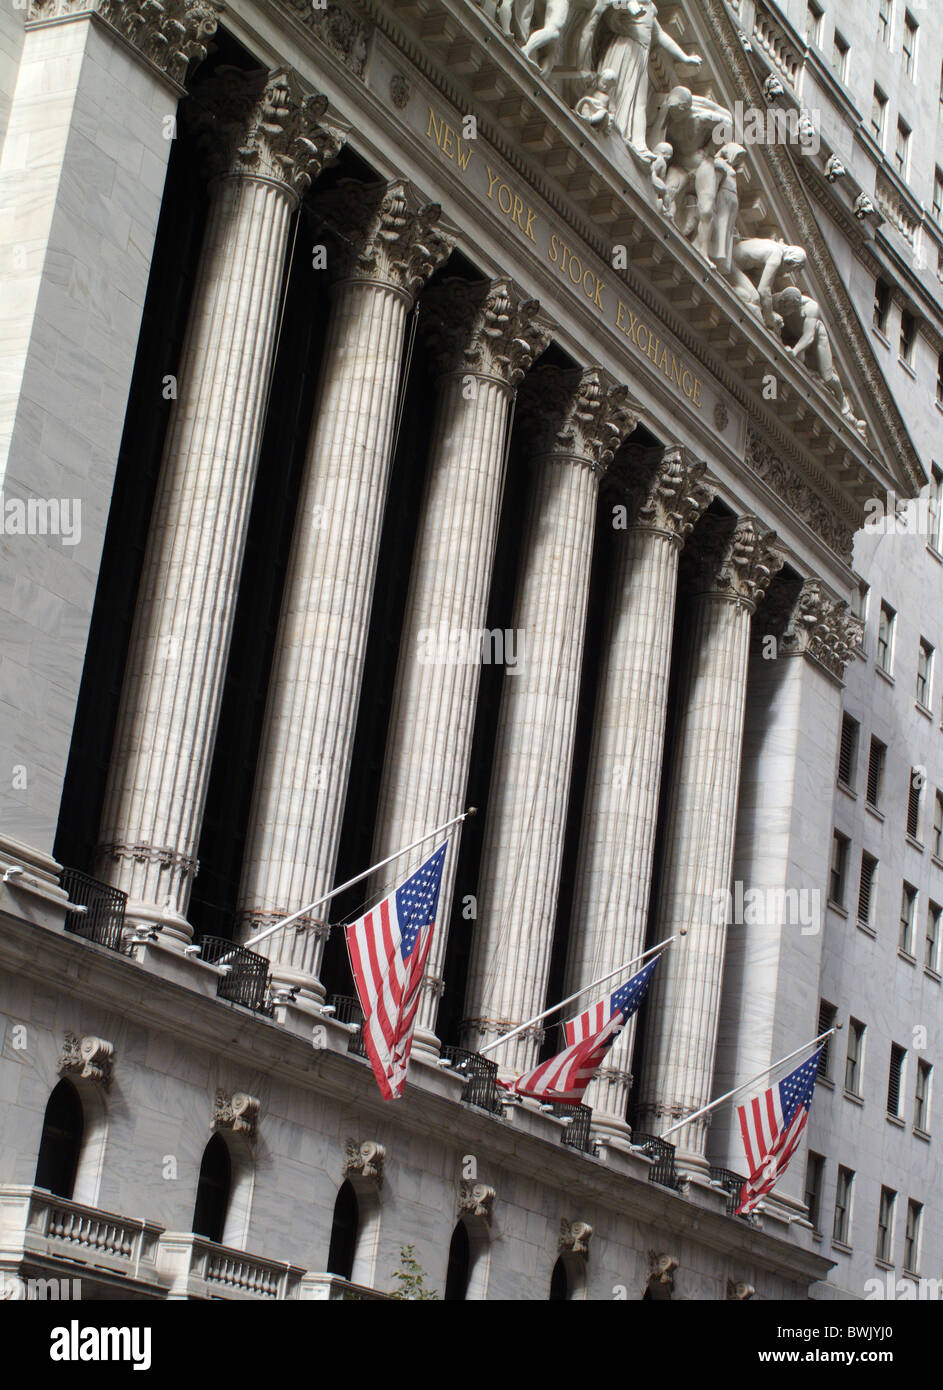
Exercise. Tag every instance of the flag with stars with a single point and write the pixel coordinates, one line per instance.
(771, 1126)
(388, 947)
(564, 1078)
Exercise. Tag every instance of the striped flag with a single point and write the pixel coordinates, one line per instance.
(771, 1126)
(388, 947)
(589, 1036)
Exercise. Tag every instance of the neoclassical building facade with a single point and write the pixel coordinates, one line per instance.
(460, 413)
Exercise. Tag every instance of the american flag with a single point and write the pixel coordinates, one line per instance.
(589, 1036)
(771, 1126)
(388, 947)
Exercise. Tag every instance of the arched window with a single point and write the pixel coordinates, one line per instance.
(340, 1258)
(456, 1280)
(212, 1193)
(559, 1283)
(63, 1128)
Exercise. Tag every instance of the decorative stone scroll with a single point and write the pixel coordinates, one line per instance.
(664, 489)
(822, 627)
(578, 414)
(574, 1238)
(89, 1058)
(736, 559)
(739, 1292)
(660, 1283)
(237, 1112)
(384, 234)
(489, 329)
(338, 26)
(837, 533)
(365, 1160)
(170, 34)
(476, 1200)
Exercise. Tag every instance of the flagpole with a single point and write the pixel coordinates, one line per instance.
(506, 1037)
(747, 1084)
(319, 902)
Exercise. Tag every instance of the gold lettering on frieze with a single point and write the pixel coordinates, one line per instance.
(448, 140)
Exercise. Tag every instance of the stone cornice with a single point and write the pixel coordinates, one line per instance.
(484, 329)
(169, 34)
(384, 234)
(582, 415)
(264, 126)
(665, 489)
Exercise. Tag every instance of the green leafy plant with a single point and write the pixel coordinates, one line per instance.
(411, 1277)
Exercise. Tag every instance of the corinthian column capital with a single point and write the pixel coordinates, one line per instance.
(735, 560)
(823, 627)
(265, 127)
(665, 489)
(385, 235)
(486, 329)
(576, 414)
(168, 33)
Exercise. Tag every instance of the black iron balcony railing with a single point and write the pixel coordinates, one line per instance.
(481, 1087)
(248, 978)
(732, 1184)
(663, 1169)
(103, 920)
(347, 1010)
(577, 1133)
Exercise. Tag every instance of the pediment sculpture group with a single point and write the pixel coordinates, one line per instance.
(601, 50)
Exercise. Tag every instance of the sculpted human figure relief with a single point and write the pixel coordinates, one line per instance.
(770, 259)
(687, 123)
(802, 319)
(594, 107)
(727, 164)
(619, 35)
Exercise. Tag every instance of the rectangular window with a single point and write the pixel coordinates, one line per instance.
(908, 47)
(902, 148)
(915, 802)
(814, 1174)
(936, 843)
(854, 1056)
(939, 396)
(876, 760)
(841, 1224)
(931, 957)
(886, 625)
(885, 18)
(839, 864)
(922, 1098)
(894, 1078)
(908, 908)
(840, 61)
(925, 674)
(882, 305)
(878, 115)
(885, 1243)
(848, 750)
(866, 888)
(908, 337)
(912, 1236)
(938, 194)
(827, 1014)
(936, 478)
(813, 23)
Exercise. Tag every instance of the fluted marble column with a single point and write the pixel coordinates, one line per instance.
(273, 146)
(575, 420)
(731, 570)
(389, 245)
(663, 496)
(485, 337)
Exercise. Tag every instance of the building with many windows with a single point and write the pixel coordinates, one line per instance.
(409, 404)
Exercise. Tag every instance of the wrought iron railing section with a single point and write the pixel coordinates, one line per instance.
(103, 920)
(732, 1184)
(663, 1169)
(481, 1085)
(347, 1010)
(248, 978)
(577, 1133)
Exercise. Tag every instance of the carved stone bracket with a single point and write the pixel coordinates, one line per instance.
(237, 1112)
(736, 560)
(90, 1058)
(660, 1280)
(264, 126)
(365, 1160)
(580, 414)
(486, 329)
(738, 1292)
(170, 34)
(822, 627)
(476, 1199)
(574, 1238)
(385, 234)
(663, 488)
